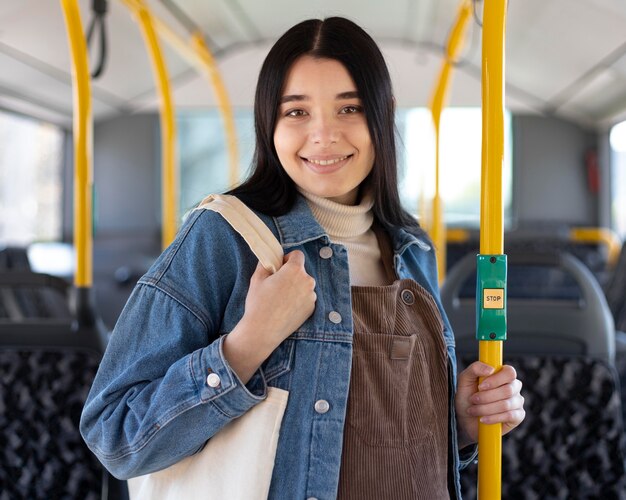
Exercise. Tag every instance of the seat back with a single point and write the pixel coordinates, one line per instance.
(616, 292)
(29, 296)
(561, 341)
(46, 370)
(565, 314)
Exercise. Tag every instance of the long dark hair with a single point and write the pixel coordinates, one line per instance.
(269, 189)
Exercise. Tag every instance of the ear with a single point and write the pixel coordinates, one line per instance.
(393, 103)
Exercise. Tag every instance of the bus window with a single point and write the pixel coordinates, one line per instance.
(618, 178)
(203, 153)
(460, 162)
(30, 180)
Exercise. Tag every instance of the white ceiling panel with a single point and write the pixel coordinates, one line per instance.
(274, 17)
(551, 47)
(219, 19)
(564, 40)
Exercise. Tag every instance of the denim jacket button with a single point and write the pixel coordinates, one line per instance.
(311, 498)
(322, 406)
(213, 380)
(335, 317)
(326, 252)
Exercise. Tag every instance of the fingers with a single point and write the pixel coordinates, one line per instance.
(506, 375)
(500, 407)
(505, 391)
(509, 419)
(260, 273)
(498, 399)
(296, 257)
(470, 376)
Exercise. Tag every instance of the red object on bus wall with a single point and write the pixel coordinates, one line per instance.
(593, 171)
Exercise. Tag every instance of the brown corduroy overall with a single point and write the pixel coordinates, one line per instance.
(396, 431)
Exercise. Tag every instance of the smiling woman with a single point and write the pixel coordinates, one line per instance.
(351, 325)
(321, 134)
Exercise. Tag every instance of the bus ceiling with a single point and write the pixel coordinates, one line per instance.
(579, 75)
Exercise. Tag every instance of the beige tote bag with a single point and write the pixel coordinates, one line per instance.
(237, 462)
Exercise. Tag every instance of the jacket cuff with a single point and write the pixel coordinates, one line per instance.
(215, 379)
(468, 455)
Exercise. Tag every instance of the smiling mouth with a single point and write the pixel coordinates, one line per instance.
(327, 162)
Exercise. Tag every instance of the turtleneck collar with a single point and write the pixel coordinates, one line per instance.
(342, 221)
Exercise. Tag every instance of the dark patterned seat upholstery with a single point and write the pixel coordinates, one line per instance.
(42, 392)
(570, 446)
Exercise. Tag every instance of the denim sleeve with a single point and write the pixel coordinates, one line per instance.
(151, 404)
(468, 455)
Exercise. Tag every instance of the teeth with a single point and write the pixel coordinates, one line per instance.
(328, 162)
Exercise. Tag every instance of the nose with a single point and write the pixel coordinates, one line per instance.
(324, 131)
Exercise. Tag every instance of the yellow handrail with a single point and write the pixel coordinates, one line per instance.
(491, 218)
(169, 170)
(83, 145)
(210, 68)
(457, 235)
(599, 235)
(438, 101)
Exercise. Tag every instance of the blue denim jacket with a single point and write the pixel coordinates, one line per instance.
(150, 404)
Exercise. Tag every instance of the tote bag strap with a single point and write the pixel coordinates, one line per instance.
(252, 229)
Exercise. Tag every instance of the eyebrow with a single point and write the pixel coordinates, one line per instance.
(353, 94)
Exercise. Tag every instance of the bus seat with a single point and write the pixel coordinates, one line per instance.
(14, 258)
(616, 291)
(25, 295)
(46, 371)
(561, 341)
(554, 306)
(571, 443)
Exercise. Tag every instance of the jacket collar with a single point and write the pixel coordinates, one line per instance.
(299, 226)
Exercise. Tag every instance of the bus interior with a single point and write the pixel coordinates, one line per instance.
(564, 196)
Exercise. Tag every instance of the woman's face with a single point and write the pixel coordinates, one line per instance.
(321, 133)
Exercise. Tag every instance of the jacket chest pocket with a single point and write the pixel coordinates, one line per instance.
(278, 366)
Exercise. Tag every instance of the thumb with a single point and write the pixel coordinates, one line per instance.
(471, 375)
(296, 258)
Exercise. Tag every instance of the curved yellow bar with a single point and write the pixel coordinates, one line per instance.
(169, 170)
(457, 235)
(83, 145)
(210, 68)
(438, 100)
(491, 219)
(599, 235)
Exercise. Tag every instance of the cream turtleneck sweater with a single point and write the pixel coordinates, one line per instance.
(351, 226)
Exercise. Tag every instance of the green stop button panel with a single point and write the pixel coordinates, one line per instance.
(491, 297)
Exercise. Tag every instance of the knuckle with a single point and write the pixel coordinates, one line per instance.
(510, 390)
(511, 371)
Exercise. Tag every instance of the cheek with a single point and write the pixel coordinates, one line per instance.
(286, 141)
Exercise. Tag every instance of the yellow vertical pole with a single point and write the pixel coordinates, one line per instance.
(491, 218)
(169, 170)
(210, 67)
(437, 102)
(83, 145)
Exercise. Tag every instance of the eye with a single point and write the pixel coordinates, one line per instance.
(351, 109)
(295, 113)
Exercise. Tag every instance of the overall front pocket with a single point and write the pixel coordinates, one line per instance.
(380, 391)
